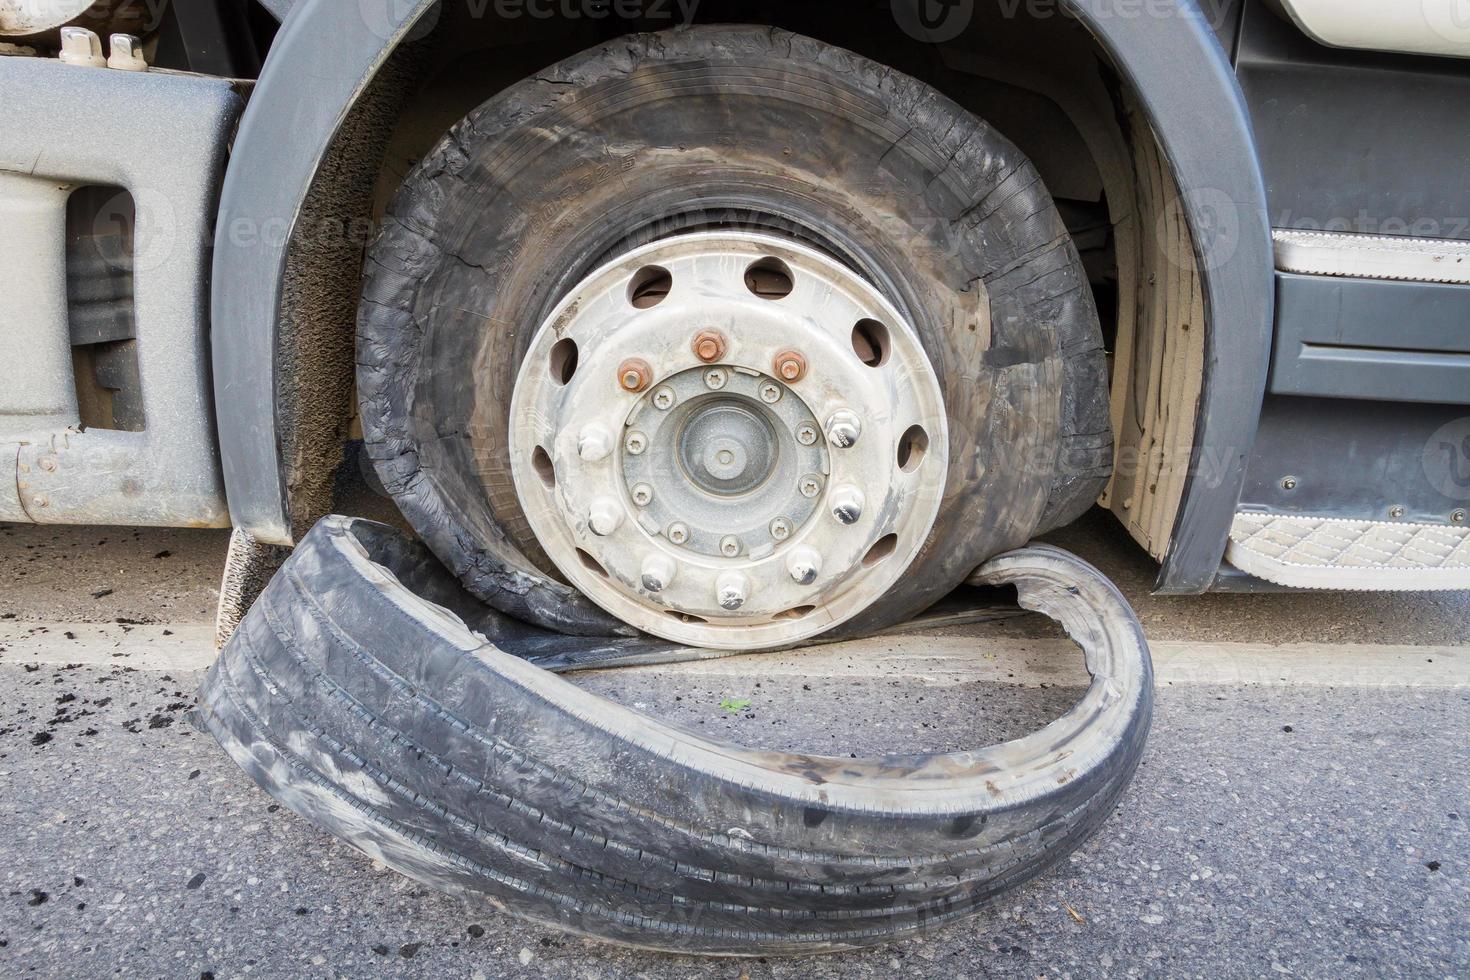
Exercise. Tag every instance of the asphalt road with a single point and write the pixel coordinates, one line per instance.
(1301, 808)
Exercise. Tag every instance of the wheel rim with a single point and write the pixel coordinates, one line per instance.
(729, 440)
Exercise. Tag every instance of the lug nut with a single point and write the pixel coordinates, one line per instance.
(804, 565)
(790, 366)
(709, 346)
(809, 485)
(843, 429)
(664, 398)
(678, 533)
(847, 504)
(594, 442)
(657, 572)
(715, 378)
(634, 374)
(729, 546)
(770, 392)
(731, 590)
(604, 516)
(635, 443)
(806, 434)
(780, 529)
(643, 495)
(80, 46)
(127, 53)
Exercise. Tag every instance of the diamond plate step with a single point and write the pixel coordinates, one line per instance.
(1327, 253)
(1366, 556)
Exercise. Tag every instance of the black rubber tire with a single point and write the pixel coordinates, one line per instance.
(656, 132)
(380, 717)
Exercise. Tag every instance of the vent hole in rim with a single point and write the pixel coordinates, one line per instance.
(541, 463)
(870, 342)
(881, 549)
(912, 446)
(650, 285)
(769, 278)
(563, 360)
(590, 563)
(796, 612)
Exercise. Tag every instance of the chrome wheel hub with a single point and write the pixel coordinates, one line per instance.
(728, 440)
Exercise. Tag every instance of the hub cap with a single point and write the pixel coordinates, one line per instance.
(748, 502)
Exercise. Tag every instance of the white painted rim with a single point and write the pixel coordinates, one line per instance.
(582, 506)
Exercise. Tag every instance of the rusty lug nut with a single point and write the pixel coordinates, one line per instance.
(790, 366)
(47, 464)
(634, 374)
(709, 346)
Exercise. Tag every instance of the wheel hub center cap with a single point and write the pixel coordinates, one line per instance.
(727, 449)
(729, 440)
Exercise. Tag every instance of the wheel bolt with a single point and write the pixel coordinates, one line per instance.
(643, 495)
(804, 565)
(731, 590)
(634, 374)
(678, 533)
(635, 443)
(780, 529)
(790, 366)
(604, 516)
(664, 398)
(806, 434)
(810, 486)
(847, 504)
(770, 392)
(843, 429)
(657, 572)
(715, 378)
(729, 546)
(594, 442)
(709, 346)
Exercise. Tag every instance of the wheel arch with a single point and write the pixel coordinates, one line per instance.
(334, 51)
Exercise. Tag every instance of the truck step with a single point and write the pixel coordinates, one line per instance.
(1367, 556)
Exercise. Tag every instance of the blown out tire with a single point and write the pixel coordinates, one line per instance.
(379, 716)
(706, 127)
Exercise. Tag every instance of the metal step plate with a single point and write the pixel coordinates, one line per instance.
(1330, 253)
(1331, 553)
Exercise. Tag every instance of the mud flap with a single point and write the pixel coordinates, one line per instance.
(369, 693)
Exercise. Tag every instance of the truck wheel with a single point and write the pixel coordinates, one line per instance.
(739, 334)
(382, 718)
